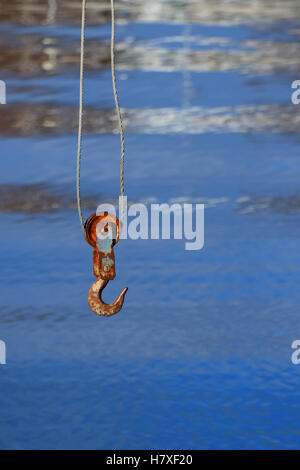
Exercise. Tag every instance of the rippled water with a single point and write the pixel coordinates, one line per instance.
(199, 357)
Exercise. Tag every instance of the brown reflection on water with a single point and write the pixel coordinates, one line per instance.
(38, 198)
(49, 12)
(47, 119)
(36, 12)
(34, 55)
(35, 199)
(23, 120)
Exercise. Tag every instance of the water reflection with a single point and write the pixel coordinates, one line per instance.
(34, 55)
(197, 11)
(30, 53)
(35, 199)
(38, 198)
(280, 205)
(24, 120)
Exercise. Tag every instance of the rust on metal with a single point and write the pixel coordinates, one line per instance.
(96, 303)
(102, 232)
(91, 227)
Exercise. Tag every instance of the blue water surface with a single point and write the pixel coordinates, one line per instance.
(200, 355)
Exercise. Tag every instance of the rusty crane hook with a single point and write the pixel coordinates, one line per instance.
(96, 303)
(102, 233)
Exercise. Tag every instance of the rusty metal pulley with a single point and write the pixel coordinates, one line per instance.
(102, 232)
